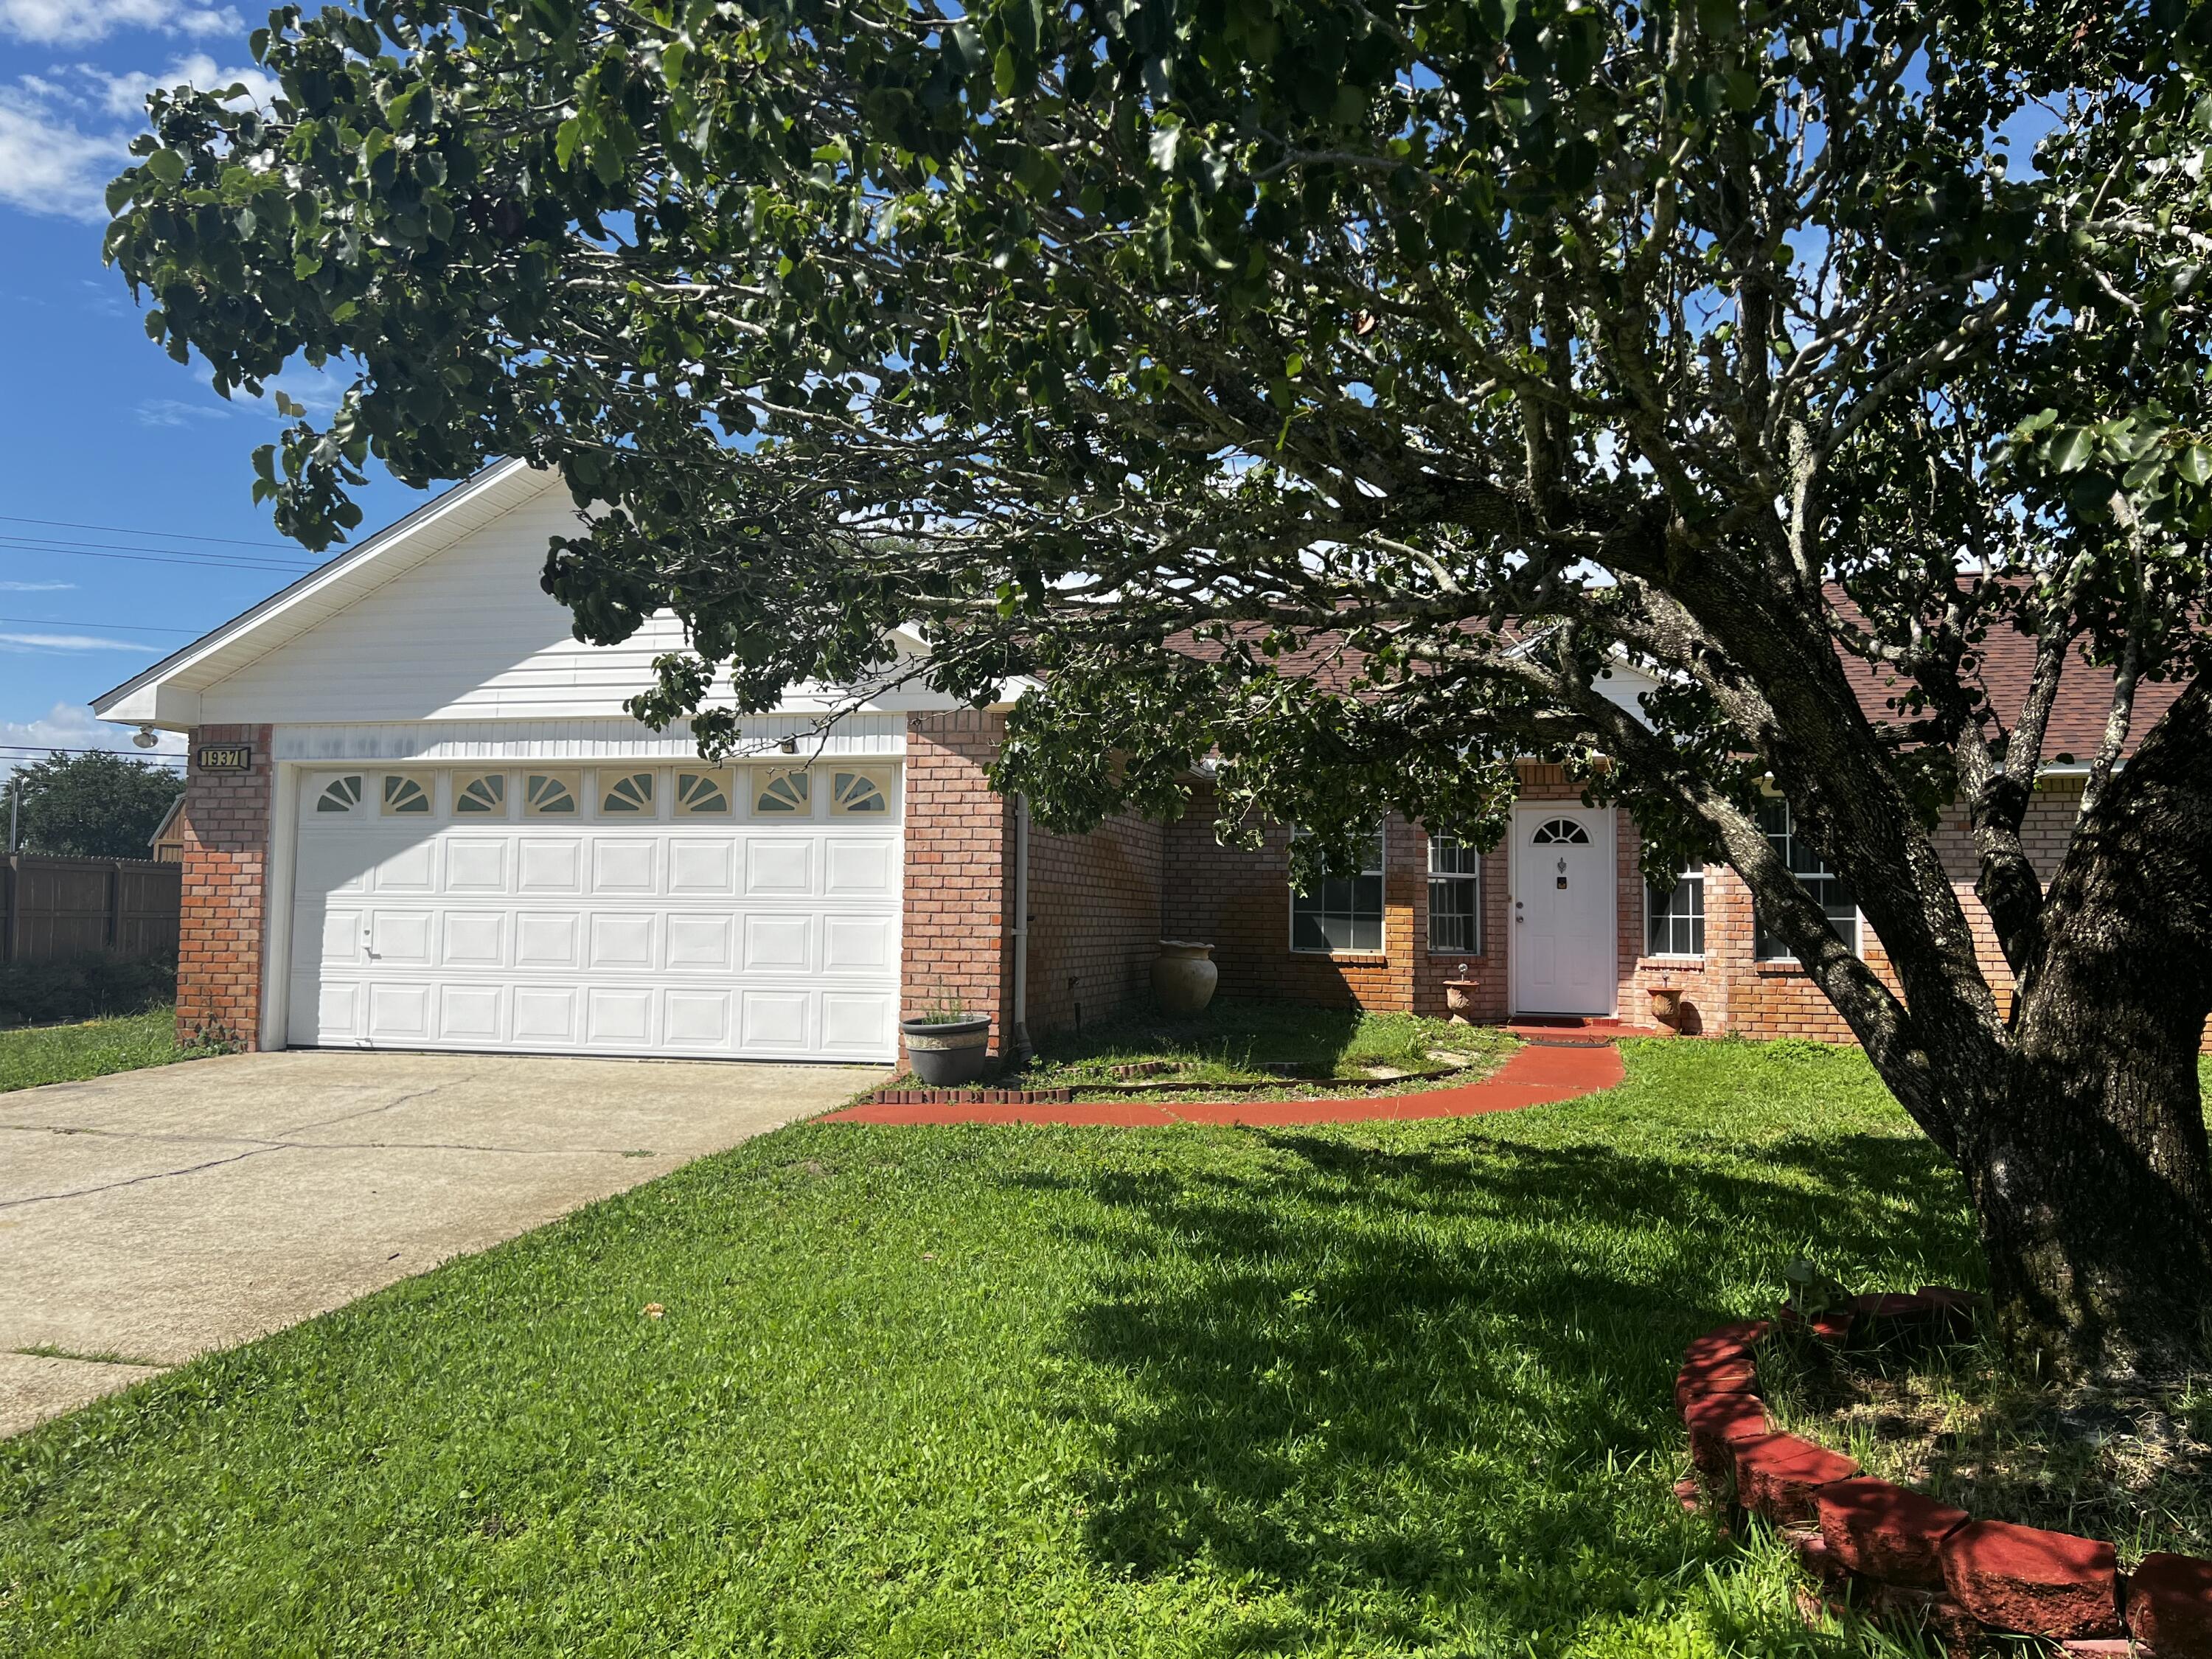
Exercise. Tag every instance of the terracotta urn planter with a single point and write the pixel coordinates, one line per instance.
(947, 1053)
(1184, 976)
(1667, 1006)
(1459, 999)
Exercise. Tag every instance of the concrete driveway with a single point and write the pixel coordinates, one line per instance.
(150, 1216)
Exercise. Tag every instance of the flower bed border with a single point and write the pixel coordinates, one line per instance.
(1061, 1094)
(1893, 1553)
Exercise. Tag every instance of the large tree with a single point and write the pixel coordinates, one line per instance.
(1166, 347)
(92, 805)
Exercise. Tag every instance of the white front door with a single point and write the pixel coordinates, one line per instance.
(1564, 935)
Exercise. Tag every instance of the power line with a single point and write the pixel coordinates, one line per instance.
(10, 748)
(116, 628)
(117, 530)
(60, 541)
(202, 562)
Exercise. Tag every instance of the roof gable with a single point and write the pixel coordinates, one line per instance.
(440, 618)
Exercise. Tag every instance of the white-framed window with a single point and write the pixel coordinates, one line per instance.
(339, 794)
(550, 794)
(626, 794)
(856, 794)
(1454, 897)
(1829, 889)
(703, 794)
(1342, 915)
(479, 794)
(1675, 917)
(1559, 832)
(782, 791)
(405, 796)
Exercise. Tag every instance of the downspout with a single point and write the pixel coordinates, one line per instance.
(1018, 1034)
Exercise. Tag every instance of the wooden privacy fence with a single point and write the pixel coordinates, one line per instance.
(56, 908)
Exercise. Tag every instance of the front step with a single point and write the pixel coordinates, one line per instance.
(1568, 1030)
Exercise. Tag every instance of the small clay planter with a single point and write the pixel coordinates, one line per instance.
(1667, 1006)
(1183, 977)
(1459, 999)
(946, 1053)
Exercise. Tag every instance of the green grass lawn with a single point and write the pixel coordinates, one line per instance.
(1382, 1389)
(1238, 1042)
(66, 1054)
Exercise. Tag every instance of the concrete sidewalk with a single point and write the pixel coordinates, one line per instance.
(153, 1215)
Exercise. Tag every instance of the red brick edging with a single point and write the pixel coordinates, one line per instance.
(1895, 1553)
(1534, 1076)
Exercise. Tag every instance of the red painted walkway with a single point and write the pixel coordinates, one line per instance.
(1535, 1076)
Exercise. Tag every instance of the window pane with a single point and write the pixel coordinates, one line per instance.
(1452, 915)
(1830, 891)
(1342, 914)
(1674, 918)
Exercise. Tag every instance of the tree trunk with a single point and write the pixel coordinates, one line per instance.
(2090, 1177)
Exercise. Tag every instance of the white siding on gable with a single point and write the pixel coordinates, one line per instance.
(468, 635)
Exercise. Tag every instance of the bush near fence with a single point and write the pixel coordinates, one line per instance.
(83, 988)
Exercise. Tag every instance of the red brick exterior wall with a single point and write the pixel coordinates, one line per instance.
(1095, 921)
(1775, 999)
(1240, 900)
(225, 829)
(959, 869)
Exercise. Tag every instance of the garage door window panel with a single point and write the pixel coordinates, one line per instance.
(781, 791)
(626, 794)
(339, 796)
(405, 796)
(859, 795)
(550, 794)
(703, 794)
(480, 794)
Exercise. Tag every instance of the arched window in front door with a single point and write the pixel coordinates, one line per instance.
(1560, 832)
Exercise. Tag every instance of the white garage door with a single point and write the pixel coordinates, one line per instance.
(747, 912)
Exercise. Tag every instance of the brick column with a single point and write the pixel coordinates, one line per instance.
(225, 828)
(959, 869)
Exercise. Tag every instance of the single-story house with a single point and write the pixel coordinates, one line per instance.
(418, 817)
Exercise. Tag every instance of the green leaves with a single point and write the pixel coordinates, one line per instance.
(1238, 309)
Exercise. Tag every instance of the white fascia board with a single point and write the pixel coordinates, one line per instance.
(910, 639)
(167, 694)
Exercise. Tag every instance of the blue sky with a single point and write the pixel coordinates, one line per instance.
(142, 475)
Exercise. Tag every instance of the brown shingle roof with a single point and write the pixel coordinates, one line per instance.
(2006, 660)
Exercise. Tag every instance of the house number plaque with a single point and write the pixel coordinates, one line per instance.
(224, 757)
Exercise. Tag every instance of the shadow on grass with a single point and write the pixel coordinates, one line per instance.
(1433, 1383)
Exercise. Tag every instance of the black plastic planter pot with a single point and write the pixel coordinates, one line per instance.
(947, 1054)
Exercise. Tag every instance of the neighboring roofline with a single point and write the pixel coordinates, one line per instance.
(167, 818)
(376, 545)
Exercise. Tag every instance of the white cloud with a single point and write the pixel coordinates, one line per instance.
(34, 587)
(76, 22)
(59, 140)
(171, 411)
(67, 642)
(47, 165)
(125, 95)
